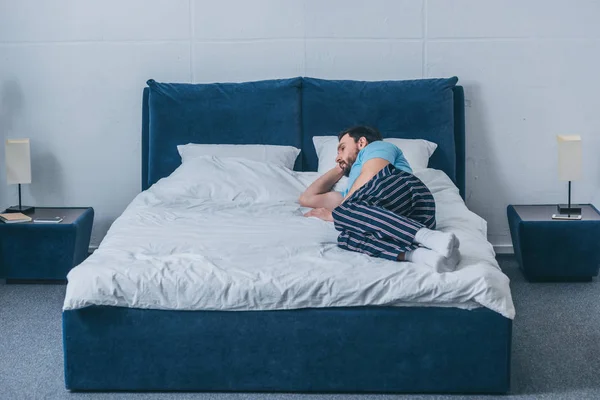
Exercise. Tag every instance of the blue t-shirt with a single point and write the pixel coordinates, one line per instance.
(378, 149)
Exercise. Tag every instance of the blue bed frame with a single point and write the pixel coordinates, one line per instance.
(356, 349)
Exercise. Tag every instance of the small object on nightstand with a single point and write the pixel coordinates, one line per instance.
(18, 170)
(14, 218)
(567, 217)
(51, 220)
(569, 169)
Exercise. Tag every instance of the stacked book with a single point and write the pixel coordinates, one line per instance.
(14, 218)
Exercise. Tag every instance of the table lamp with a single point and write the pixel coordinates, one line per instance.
(18, 169)
(569, 169)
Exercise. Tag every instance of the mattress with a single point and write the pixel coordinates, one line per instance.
(229, 235)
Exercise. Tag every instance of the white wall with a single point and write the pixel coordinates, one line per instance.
(72, 72)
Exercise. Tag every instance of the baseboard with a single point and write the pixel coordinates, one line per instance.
(504, 249)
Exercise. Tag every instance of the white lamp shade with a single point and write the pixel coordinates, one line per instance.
(569, 157)
(18, 161)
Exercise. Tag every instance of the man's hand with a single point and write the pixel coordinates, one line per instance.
(321, 213)
(339, 171)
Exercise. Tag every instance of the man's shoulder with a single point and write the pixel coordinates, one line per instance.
(381, 147)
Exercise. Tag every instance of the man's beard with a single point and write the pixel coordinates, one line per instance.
(348, 166)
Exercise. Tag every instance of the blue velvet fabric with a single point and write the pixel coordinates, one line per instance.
(460, 140)
(263, 112)
(555, 250)
(292, 111)
(145, 139)
(31, 251)
(365, 349)
(414, 109)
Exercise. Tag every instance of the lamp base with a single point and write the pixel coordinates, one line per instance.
(564, 209)
(22, 209)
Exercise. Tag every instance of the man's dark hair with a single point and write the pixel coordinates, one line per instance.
(356, 132)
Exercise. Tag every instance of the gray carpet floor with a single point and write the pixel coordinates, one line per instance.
(556, 346)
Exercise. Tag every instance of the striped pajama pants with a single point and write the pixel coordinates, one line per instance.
(382, 218)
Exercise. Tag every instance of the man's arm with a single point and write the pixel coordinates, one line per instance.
(368, 171)
(319, 194)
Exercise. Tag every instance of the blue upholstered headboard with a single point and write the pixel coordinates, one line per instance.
(292, 111)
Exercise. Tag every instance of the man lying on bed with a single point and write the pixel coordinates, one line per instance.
(386, 211)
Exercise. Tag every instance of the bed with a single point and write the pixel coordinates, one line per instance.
(454, 336)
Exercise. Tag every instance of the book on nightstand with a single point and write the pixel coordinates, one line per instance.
(14, 218)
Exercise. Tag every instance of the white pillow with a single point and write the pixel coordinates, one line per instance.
(229, 179)
(416, 151)
(284, 156)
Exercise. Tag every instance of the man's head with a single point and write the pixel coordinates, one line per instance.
(351, 141)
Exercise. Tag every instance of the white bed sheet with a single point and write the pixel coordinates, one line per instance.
(173, 250)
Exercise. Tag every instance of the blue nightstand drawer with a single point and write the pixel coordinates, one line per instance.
(555, 250)
(32, 251)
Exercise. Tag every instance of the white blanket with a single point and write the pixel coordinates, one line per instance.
(228, 234)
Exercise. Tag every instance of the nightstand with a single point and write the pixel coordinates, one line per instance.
(35, 251)
(555, 250)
